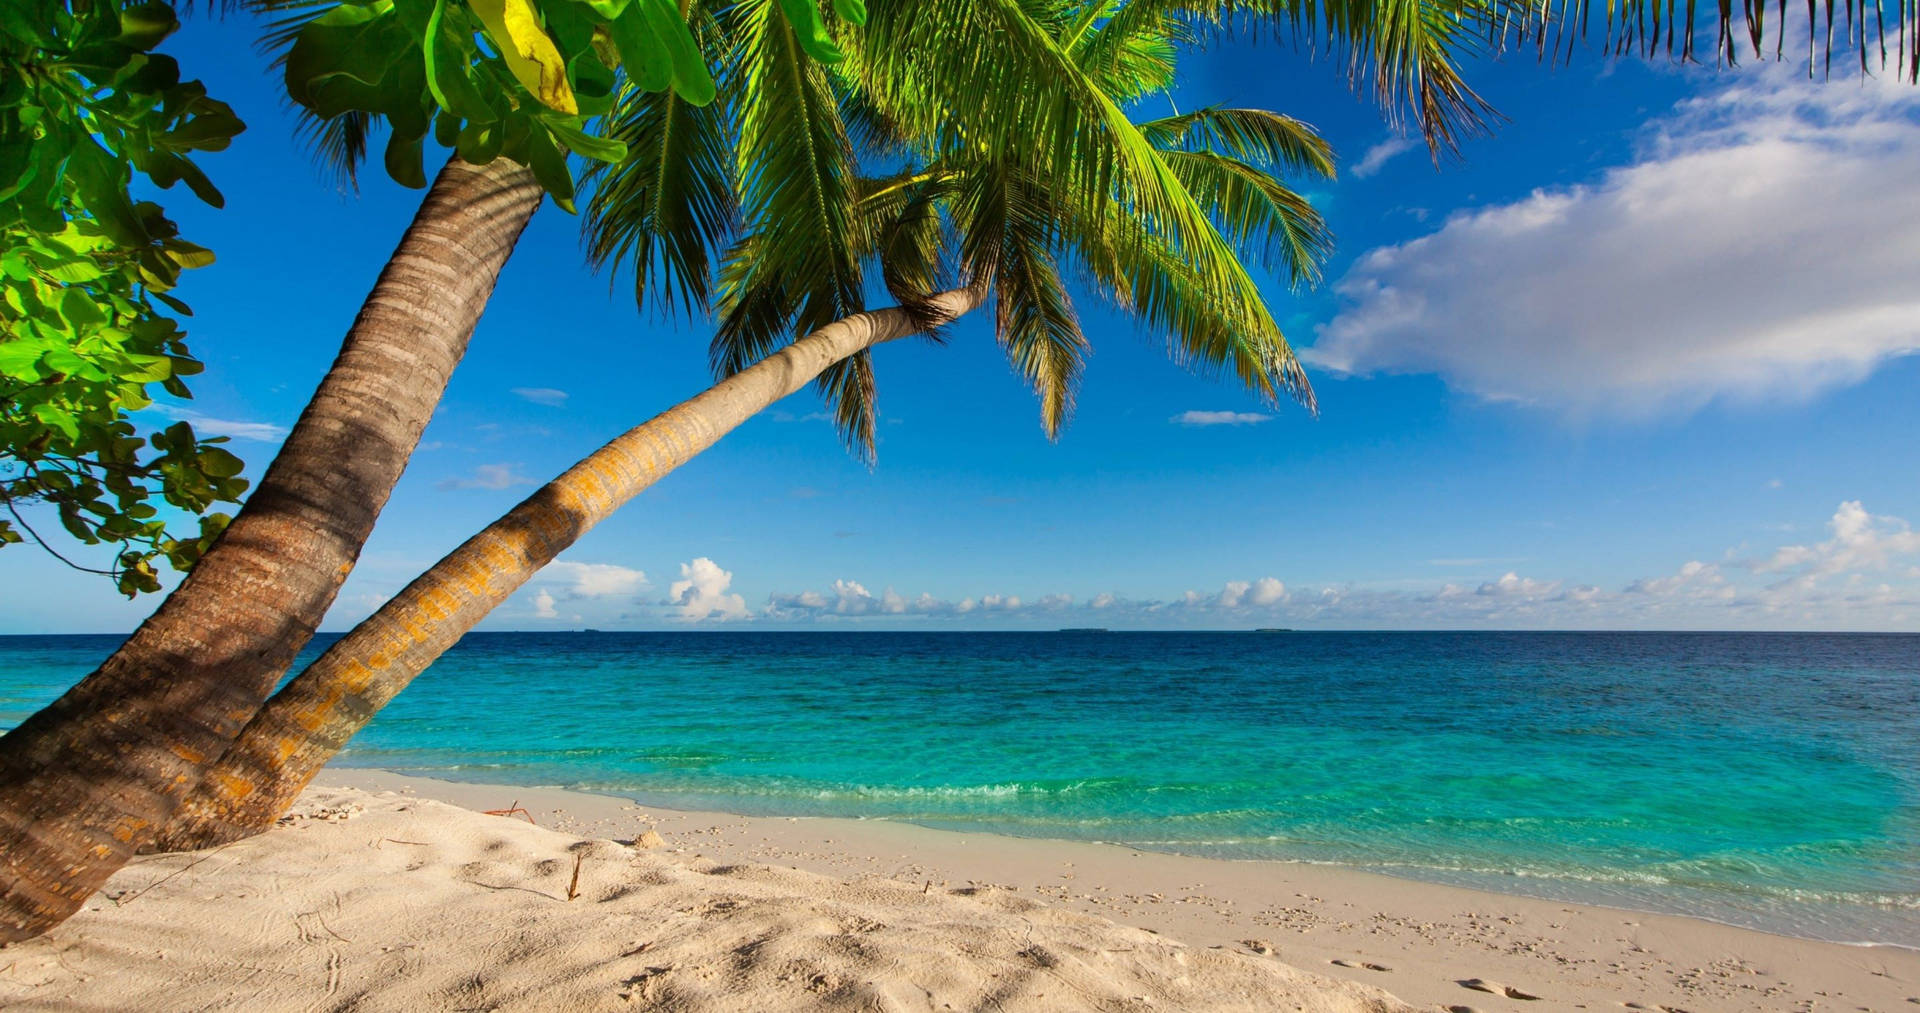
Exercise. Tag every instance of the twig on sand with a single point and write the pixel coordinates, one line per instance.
(512, 809)
(573, 888)
(124, 899)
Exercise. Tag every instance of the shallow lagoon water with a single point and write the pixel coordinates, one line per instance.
(1768, 780)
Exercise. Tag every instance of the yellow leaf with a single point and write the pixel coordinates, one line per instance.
(532, 57)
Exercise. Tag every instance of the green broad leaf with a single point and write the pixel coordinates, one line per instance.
(580, 143)
(853, 12)
(220, 463)
(811, 29)
(643, 54)
(405, 160)
(187, 255)
(173, 304)
(449, 69)
(210, 130)
(147, 368)
(144, 26)
(101, 180)
(349, 14)
(76, 525)
(75, 272)
(691, 78)
(20, 357)
(198, 182)
(415, 14)
(549, 166)
(80, 309)
(15, 22)
(150, 74)
(479, 143)
(58, 418)
(17, 162)
(594, 82)
(334, 67)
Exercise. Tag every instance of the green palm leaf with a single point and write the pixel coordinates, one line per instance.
(795, 171)
(668, 208)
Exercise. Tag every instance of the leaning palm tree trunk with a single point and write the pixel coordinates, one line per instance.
(314, 715)
(89, 779)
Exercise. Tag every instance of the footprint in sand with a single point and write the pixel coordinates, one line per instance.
(1494, 988)
(1363, 964)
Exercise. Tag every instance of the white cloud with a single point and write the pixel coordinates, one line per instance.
(543, 605)
(595, 580)
(1693, 576)
(1754, 250)
(1380, 154)
(1513, 585)
(1861, 542)
(1219, 418)
(550, 396)
(488, 476)
(1866, 576)
(701, 593)
(1257, 594)
(207, 425)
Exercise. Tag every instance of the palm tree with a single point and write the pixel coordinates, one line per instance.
(94, 775)
(771, 223)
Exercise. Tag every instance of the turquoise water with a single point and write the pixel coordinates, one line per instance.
(1770, 780)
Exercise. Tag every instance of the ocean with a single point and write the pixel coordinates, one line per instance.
(1764, 780)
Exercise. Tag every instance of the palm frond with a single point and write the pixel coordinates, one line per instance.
(795, 171)
(1250, 135)
(902, 216)
(1408, 51)
(754, 309)
(1133, 50)
(339, 143)
(1257, 212)
(668, 208)
(1035, 323)
(1206, 328)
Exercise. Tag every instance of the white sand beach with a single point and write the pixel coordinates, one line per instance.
(396, 893)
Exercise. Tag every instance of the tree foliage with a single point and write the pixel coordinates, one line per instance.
(981, 142)
(87, 327)
(520, 79)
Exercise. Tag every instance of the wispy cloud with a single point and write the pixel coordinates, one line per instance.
(1380, 154)
(207, 425)
(552, 397)
(488, 476)
(594, 580)
(1200, 418)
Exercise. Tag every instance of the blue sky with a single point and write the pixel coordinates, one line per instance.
(1640, 360)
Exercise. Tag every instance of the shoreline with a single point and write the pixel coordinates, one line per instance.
(1338, 867)
(1417, 939)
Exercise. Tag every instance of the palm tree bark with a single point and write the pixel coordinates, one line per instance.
(308, 721)
(92, 777)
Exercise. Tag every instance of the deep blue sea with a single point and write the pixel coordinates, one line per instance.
(1768, 780)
